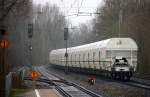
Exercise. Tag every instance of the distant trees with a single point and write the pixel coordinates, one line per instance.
(5, 8)
(134, 22)
(82, 34)
(8, 7)
(48, 22)
(48, 31)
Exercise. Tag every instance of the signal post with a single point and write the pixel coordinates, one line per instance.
(66, 35)
(4, 43)
(34, 73)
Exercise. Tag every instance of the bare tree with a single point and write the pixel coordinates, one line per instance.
(134, 23)
(48, 32)
(15, 22)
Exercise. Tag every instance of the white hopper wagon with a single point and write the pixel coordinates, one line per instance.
(115, 56)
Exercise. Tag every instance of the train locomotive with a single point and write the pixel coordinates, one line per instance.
(114, 57)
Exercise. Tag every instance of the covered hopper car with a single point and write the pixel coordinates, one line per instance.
(115, 57)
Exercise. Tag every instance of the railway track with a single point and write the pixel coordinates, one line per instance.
(133, 82)
(68, 89)
(138, 85)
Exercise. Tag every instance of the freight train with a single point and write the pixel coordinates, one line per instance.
(114, 57)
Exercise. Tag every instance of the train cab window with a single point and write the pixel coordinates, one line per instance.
(121, 62)
(125, 60)
(117, 60)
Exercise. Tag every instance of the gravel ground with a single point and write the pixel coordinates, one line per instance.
(102, 86)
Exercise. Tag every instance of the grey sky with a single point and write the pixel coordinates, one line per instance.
(71, 7)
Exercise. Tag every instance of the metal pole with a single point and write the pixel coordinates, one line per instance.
(120, 18)
(66, 53)
(31, 53)
(66, 58)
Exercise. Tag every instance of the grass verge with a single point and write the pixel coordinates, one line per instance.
(16, 92)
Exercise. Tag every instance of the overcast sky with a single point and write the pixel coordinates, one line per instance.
(71, 7)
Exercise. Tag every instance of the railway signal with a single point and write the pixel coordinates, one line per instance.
(66, 34)
(30, 35)
(66, 54)
(30, 30)
(4, 42)
(3, 32)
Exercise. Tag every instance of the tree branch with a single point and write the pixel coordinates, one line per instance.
(8, 10)
(3, 4)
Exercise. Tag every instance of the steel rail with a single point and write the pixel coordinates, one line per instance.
(76, 86)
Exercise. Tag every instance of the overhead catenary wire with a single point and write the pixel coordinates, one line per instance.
(80, 13)
(77, 6)
(83, 14)
(71, 6)
(80, 6)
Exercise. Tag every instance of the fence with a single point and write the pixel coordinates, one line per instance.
(8, 84)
